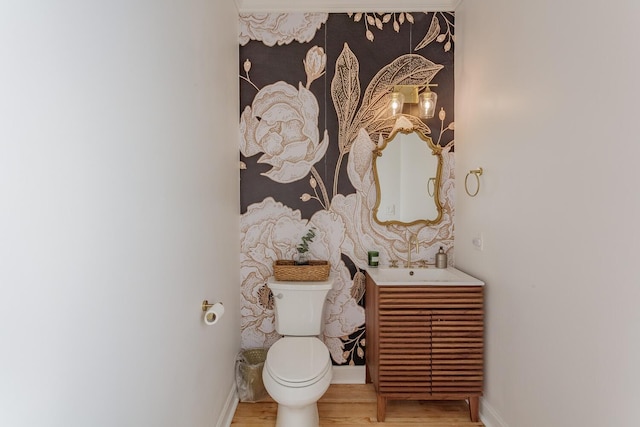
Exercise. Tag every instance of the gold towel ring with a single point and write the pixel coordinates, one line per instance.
(476, 173)
(429, 187)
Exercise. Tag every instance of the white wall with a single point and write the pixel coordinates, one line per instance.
(547, 102)
(119, 211)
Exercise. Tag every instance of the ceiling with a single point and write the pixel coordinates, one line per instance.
(345, 6)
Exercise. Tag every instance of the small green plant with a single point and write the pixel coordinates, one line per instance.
(306, 239)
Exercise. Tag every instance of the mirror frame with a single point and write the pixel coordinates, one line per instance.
(436, 150)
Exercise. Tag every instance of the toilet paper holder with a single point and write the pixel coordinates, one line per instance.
(213, 312)
(205, 305)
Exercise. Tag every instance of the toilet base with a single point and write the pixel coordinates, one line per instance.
(297, 400)
(305, 416)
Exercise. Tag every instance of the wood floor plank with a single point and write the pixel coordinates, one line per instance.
(352, 393)
(346, 405)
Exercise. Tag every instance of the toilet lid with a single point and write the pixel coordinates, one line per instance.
(298, 361)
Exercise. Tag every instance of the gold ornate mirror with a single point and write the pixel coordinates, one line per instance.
(407, 168)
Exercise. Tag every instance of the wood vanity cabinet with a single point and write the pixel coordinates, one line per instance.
(425, 343)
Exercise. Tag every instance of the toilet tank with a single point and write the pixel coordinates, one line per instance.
(299, 306)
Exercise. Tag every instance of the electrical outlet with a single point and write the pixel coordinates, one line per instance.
(478, 242)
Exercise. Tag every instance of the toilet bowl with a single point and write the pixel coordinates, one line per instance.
(296, 374)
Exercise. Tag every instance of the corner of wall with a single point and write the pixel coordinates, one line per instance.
(229, 409)
(489, 416)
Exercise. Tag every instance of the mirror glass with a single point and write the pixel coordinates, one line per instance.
(407, 168)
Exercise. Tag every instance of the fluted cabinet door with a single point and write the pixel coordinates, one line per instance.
(404, 351)
(457, 346)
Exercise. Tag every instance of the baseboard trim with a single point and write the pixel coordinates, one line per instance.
(229, 409)
(348, 374)
(490, 416)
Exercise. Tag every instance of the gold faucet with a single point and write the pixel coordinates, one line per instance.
(413, 239)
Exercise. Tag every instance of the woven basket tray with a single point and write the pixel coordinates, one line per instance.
(286, 270)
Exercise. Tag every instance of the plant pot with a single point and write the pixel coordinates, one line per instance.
(302, 259)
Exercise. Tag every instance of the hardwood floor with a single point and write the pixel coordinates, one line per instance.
(355, 405)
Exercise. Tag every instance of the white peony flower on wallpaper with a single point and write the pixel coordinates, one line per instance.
(282, 123)
(280, 28)
(271, 231)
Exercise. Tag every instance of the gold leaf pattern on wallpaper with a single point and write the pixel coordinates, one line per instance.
(265, 297)
(359, 285)
(377, 20)
(345, 92)
(434, 31)
(410, 69)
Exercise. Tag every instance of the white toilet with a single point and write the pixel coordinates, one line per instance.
(298, 371)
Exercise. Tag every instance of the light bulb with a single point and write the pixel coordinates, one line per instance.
(427, 101)
(396, 102)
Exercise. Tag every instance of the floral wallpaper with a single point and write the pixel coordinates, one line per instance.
(312, 96)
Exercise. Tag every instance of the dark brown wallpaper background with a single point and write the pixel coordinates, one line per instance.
(294, 146)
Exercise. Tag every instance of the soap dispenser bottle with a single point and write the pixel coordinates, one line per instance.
(441, 259)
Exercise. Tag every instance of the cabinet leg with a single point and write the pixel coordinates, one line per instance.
(474, 407)
(382, 408)
(367, 376)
